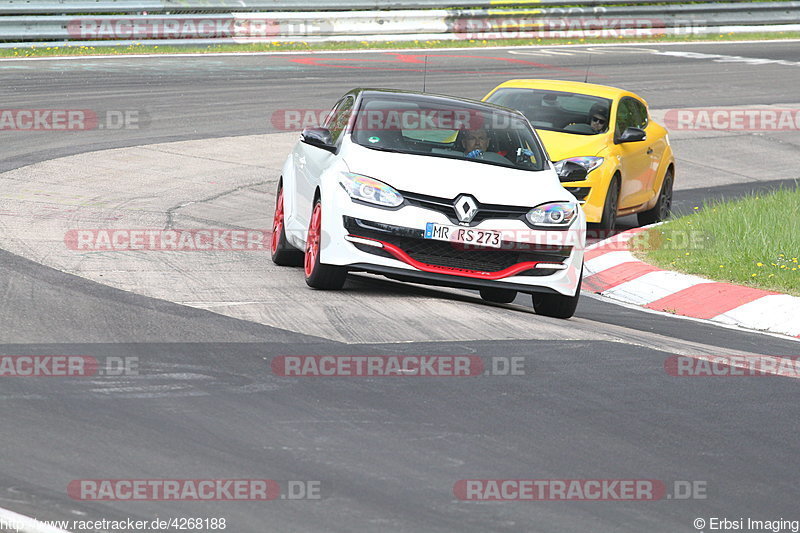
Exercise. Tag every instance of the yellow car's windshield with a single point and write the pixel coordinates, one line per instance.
(581, 114)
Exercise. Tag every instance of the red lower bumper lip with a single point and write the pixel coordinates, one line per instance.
(513, 270)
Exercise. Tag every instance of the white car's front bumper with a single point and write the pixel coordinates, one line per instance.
(391, 232)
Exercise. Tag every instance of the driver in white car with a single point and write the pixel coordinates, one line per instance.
(475, 145)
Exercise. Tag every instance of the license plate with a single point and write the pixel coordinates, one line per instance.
(472, 236)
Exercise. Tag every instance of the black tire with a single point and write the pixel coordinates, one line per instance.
(557, 305)
(611, 206)
(318, 275)
(663, 207)
(498, 296)
(283, 253)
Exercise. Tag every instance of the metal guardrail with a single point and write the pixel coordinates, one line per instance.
(53, 7)
(218, 21)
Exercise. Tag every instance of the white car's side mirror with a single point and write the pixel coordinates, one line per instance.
(319, 137)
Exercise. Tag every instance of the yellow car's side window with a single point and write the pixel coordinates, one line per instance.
(630, 113)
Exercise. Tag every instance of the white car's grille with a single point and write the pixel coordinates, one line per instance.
(446, 207)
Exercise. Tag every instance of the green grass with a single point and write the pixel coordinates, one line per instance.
(753, 241)
(54, 50)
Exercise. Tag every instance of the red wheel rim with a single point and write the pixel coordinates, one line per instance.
(312, 241)
(277, 222)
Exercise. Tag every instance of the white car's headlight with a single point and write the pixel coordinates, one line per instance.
(588, 162)
(555, 214)
(369, 190)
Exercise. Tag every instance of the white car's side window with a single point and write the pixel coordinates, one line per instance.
(337, 121)
(328, 119)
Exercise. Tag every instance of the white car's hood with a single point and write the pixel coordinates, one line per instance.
(447, 178)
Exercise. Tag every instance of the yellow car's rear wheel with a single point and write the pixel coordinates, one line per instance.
(663, 207)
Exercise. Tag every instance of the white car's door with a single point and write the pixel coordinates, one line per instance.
(310, 161)
(307, 163)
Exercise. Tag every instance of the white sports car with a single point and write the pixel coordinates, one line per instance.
(430, 189)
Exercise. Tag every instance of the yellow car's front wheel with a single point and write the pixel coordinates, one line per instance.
(611, 205)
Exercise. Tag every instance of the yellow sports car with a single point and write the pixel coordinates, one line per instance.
(609, 133)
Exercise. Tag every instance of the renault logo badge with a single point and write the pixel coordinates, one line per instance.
(466, 208)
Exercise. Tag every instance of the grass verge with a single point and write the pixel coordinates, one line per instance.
(754, 241)
(300, 46)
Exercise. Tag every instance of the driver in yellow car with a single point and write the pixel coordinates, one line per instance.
(598, 118)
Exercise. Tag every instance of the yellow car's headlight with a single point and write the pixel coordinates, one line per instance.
(588, 162)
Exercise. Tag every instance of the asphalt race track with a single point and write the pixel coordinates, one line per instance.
(594, 401)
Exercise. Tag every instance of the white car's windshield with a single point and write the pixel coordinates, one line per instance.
(440, 127)
(557, 111)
